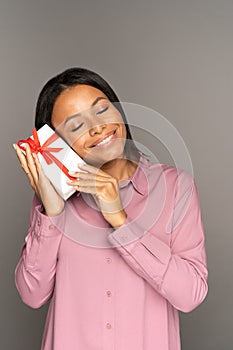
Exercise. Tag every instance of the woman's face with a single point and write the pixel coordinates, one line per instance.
(83, 115)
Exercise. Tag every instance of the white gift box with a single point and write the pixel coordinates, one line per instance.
(57, 151)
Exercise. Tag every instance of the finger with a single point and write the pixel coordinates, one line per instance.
(93, 170)
(22, 158)
(86, 186)
(31, 163)
(37, 163)
(31, 180)
(33, 184)
(98, 192)
(88, 176)
(86, 189)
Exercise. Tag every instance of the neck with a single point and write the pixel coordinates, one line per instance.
(120, 168)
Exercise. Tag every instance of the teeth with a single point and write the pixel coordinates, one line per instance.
(105, 140)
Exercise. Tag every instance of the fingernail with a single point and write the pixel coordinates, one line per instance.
(14, 145)
(72, 172)
(80, 165)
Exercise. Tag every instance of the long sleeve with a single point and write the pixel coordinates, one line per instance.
(177, 271)
(36, 269)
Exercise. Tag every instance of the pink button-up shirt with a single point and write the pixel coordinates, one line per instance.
(118, 289)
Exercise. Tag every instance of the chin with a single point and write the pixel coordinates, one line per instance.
(102, 157)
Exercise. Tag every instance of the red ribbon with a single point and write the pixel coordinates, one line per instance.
(36, 147)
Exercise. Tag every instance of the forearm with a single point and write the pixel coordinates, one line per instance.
(175, 268)
(182, 281)
(36, 269)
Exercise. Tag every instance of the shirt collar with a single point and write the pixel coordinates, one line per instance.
(138, 178)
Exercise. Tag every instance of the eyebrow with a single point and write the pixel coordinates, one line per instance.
(92, 105)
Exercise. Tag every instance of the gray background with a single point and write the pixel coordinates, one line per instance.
(172, 56)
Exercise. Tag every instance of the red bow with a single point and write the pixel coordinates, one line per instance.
(36, 147)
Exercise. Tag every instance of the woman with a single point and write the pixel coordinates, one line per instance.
(145, 258)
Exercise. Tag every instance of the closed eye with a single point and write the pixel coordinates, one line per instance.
(78, 127)
(103, 110)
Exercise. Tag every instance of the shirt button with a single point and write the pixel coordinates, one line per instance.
(108, 293)
(108, 325)
(37, 232)
(109, 260)
(51, 227)
(38, 222)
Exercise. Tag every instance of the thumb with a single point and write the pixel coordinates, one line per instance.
(96, 200)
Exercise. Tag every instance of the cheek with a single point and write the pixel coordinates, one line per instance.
(117, 119)
(123, 130)
(79, 146)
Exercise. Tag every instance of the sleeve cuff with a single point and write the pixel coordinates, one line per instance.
(47, 226)
(126, 236)
(131, 235)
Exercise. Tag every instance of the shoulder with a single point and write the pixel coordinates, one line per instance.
(172, 174)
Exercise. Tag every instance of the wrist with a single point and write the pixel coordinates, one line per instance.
(52, 211)
(119, 219)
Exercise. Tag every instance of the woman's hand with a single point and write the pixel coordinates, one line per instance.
(105, 191)
(51, 200)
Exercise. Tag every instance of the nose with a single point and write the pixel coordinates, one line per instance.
(97, 129)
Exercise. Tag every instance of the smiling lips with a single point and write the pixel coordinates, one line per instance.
(103, 140)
